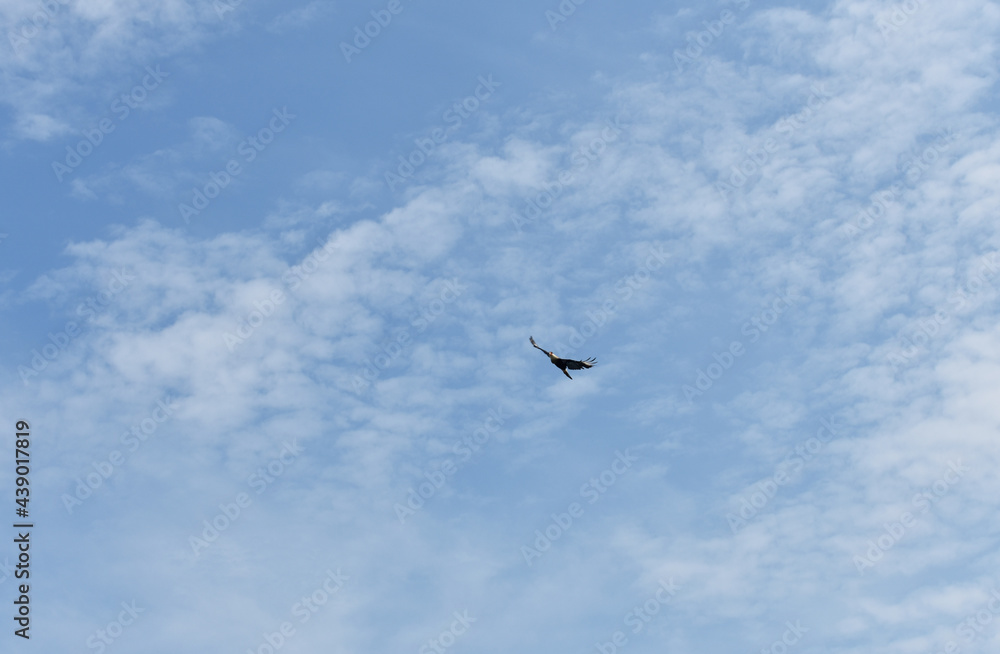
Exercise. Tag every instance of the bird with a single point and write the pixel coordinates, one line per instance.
(563, 364)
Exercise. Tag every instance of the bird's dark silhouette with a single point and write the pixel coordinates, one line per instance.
(563, 364)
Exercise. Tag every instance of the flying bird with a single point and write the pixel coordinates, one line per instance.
(563, 364)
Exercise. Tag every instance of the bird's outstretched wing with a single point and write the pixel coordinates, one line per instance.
(579, 365)
(566, 364)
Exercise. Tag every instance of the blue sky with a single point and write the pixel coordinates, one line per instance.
(268, 306)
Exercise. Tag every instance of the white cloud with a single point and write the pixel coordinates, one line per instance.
(300, 17)
(60, 53)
